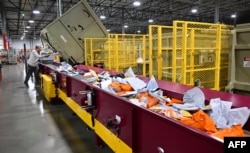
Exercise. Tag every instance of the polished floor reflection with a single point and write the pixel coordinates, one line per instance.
(29, 124)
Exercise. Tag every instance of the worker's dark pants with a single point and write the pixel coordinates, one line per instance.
(32, 69)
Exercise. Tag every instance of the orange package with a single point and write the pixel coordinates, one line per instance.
(126, 87)
(115, 86)
(190, 122)
(235, 130)
(150, 101)
(174, 101)
(202, 121)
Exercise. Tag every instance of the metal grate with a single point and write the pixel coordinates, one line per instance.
(118, 52)
(189, 52)
(161, 51)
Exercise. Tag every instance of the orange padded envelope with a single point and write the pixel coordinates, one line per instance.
(235, 130)
(150, 101)
(115, 86)
(174, 101)
(126, 87)
(202, 121)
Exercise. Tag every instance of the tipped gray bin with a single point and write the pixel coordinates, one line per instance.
(66, 34)
(239, 64)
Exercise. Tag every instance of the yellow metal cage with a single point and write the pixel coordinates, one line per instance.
(117, 52)
(190, 53)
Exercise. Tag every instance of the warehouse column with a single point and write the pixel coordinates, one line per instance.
(25, 58)
(3, 35)
(216, 12)
(59, 8)
(3, 28)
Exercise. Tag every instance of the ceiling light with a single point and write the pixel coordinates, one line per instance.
(125, 26)
(36, 11)
(137, 3)
(108, 30)
(194, 10)
(26, 31)
(28, 27)
(138, 31)
(150, 20)
(31, 21)
(233, 16)
(103, 17)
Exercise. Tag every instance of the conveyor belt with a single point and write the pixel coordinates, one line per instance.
(140, 128)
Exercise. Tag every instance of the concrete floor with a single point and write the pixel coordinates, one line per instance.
(29, 124)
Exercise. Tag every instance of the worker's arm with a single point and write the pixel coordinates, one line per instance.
(38, 55)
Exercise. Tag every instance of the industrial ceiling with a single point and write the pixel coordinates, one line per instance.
(16, 14)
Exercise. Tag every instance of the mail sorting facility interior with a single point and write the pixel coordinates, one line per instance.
(32, 124)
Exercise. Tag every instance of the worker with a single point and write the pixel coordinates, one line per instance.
(33, 64)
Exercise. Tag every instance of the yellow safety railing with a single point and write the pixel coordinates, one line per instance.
(118, 52)
(160, 47)
(187, 53)
(190, 52)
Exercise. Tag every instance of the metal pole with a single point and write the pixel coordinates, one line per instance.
(217, 11)
(25, 58)
(4, 36)
(59, 8)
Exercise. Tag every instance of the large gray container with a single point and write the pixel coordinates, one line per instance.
(66, 34)
(239, 70)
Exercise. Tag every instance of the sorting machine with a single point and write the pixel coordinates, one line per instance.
(240, 60)
(66, 34)
(139, 129)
